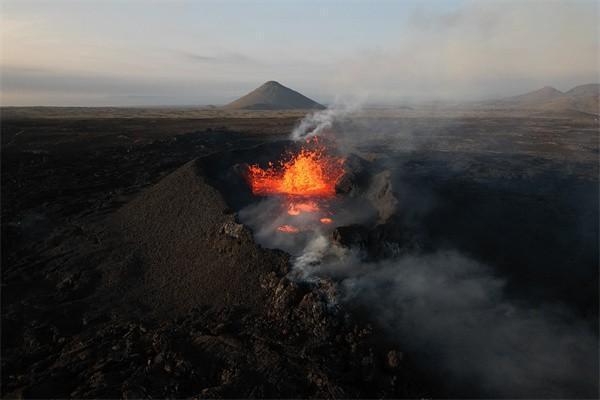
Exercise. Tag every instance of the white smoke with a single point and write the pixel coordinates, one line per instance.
(320, 253)
(319, 122)
(310, 258)
(453, 313)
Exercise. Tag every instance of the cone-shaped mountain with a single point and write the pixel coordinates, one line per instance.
(274, 96)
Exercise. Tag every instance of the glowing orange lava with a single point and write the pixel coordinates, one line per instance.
(299, 208)
(287, 229)
(304, 181)
(311, 173)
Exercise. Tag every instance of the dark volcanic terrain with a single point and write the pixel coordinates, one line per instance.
(126, 272)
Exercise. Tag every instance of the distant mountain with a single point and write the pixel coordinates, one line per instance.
(591, 89)
(273, 96)
(584, 98)
(536, 97)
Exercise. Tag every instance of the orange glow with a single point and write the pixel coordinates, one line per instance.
(304, 181)
(287, 229)
(311, 172)
(299, 208)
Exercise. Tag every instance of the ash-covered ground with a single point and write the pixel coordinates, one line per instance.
(126, 271)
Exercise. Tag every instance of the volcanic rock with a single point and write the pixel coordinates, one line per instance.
(191, 253)
(274, 96)
(377, 242)
(356, 176)
(233, 229)
(351, 236)
(381, 196)
(361, 179)
(393, 358)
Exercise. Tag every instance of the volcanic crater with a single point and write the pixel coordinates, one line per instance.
(196, 252)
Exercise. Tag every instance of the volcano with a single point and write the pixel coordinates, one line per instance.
(583, 98)
(274, 96)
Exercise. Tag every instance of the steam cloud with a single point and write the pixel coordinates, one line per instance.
(453, 313)
(317, 123)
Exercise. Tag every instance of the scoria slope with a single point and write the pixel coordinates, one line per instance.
(191, 250)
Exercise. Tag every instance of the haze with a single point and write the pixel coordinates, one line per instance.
(97, 53)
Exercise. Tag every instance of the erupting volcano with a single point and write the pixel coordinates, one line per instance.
(312, 172)
(303, 180)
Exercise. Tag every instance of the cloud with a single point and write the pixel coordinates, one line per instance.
(480, 50)
(226, 58)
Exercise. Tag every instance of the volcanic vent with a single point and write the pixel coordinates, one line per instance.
(291, 192)
(188, 228)
(304, 181)
(234, 304)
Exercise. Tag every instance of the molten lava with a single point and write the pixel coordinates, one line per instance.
(287, 229)
(303, 181)
(304, 207)
(310, 173)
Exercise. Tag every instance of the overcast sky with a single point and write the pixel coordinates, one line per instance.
(101, 52)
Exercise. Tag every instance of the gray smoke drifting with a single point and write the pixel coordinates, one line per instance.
(319, 122)
(452, 312)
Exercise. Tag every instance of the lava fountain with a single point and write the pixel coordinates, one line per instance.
(304, 180)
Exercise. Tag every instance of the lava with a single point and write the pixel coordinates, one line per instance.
(312, 172)
(287, 229)
(303, 181)
(304, 207)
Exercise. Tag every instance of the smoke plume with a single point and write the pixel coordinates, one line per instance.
(452, 313)
(319, 122)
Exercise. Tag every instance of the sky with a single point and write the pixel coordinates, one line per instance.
(122, 53)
